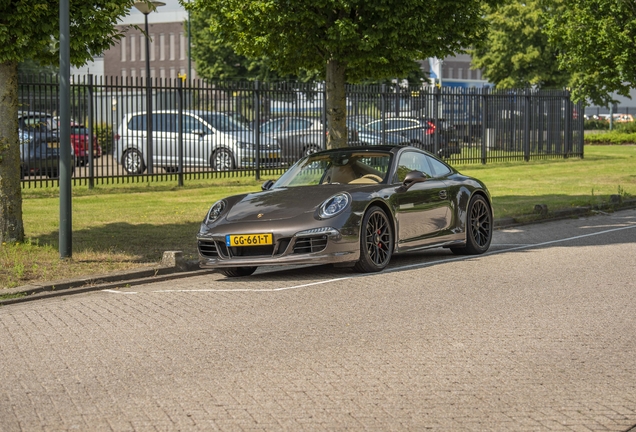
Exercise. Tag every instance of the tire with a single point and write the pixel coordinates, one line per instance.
(376, 241)
(222, 160)
(238, 271)
(133, 162)
(479, 226)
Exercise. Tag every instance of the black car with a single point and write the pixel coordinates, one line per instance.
(418, 132)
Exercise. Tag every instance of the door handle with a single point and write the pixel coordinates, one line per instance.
(442, 194)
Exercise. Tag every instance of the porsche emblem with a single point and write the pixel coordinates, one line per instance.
(260, 215)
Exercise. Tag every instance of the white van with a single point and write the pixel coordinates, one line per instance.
(210, 140)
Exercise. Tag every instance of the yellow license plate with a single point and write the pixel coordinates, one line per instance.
(53, 145)
(249, 240)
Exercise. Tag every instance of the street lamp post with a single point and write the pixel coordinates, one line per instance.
(145, 8)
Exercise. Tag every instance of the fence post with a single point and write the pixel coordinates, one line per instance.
(383, 112)
(484, 125)
(437, 105)
(257, 129)
(180, 131)
(91, 121)
(568, 126)
(526, 126)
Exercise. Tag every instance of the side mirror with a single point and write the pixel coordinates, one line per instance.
(410, 179)
(267, 185)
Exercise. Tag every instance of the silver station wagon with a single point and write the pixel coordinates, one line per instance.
(210, 140)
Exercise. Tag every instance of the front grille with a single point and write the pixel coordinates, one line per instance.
(208, 249)
(310, 244)
(252, 251)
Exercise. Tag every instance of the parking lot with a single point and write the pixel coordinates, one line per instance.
(537, 334)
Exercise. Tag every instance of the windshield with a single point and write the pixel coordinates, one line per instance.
(340, 167)
(224, 123)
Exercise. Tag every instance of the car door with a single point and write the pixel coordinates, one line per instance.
(423, 210)
(197, 142)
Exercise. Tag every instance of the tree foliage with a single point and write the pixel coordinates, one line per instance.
(596, 42)
(346, 40)
(516, 53)
(29, 29)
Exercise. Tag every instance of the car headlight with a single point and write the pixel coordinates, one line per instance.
(334, 205)
(215, 211)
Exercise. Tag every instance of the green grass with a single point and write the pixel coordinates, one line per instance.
(116, 227)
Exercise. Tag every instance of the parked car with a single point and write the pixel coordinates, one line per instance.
(419, 132)
(80, 140)
(210, 139)
(353, 206)
(296, 136)
(30, 120)
(39, 145)
(40, 154)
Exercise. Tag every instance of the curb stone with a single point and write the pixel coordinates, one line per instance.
(173, 266)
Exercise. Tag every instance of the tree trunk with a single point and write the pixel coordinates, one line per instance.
(11, 226)
(336, 105)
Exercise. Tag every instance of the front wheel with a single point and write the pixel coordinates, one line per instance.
(376, 241)
(478, 228)
(222, 160)
(133, 162)
(238, 271)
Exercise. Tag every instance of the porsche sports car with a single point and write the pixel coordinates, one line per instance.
(353, 206)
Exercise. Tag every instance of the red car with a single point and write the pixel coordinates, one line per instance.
(80, 139)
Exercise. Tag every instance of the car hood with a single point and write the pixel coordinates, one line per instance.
(278, 204)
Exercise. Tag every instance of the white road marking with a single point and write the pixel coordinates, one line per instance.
(395, 269)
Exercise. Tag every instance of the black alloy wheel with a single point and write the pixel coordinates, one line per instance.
(238, 271)
(479, 228)
(376, 241)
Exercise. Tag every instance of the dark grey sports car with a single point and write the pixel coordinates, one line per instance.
(355, 206)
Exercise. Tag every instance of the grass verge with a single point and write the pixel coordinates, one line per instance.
(118, 227)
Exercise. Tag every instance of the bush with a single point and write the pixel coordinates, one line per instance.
(595, 125)
(104, 133)
(613, 137)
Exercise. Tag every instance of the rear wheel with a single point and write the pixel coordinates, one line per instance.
(222, 160)
(133, 162)
(238, 271)
(376, 241)
(478, 228)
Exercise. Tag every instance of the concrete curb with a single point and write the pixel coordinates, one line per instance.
(173, 266)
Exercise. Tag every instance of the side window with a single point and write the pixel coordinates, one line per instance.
(299, 124)
(439, 168)
(162, 123)
(412, 161)
(271, 126)
(190, 125)
(375, 126)
(137, 123)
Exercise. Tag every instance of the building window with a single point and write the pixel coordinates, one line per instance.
(123, 74)
(133, 47)
(173, 73)
(172, 47)
(142, 48)
(450, 73)
(162, 47)
(152, 73)
(122, 46)
(152, 47)
(182, 46)
(470, 73)
(162, 73)
(460, 73)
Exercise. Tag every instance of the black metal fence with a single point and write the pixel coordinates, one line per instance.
(199, 129)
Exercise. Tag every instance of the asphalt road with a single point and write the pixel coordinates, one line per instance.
(538, 334)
